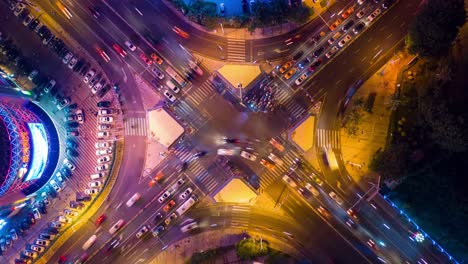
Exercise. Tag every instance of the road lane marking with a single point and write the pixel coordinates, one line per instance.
(355, 52)
(389, 36)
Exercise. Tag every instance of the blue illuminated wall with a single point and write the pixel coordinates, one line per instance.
(39, 151)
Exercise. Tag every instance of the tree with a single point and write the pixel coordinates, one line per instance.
(393, 162)
(436, 27)
(300, 14)
(250, 248)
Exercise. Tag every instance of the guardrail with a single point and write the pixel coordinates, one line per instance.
(91, 210)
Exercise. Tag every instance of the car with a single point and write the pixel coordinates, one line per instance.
(324, 212)
(158, 73)
(104, 112)
(145, 59)
(33, 74)
(36, 214)
(348, 25)
(169, 96)
(117, 226)
(180, 182)
(157, 231)
(95, 184)
(103, 134)
(315, 65)
(352, 213)
(104, 104)
(130, 45)
(286, 66)
(106, 119)
(28, 20)
(90, 74)
(289, 181)
(42, 242)
(102, 144)
(102, 167)
(155, 179)
(98, 86)
(164, 196)
(63, 102)
(180, 32)
(34, 24)
(169, 205)
(115, 242)
(103, 91)
(371, 243)
(374, 14)
(170, 218)
(351, 223)
(332, 51)
(91, 191)
(30, 254)
(361, 13)
(290, 73)
(267, 164)
(189, 227)
(64, 219)
(156, 58)
(54, 185)
(336, 198)
(275, 159)
(186, 193)
(100, 219)
(94, 80)
(103, 151)
(301, 79)
(57, 225)
(73, 62)
(361, 1)
(69, 212)
(358, 28)
(143, 231)
(119, 50)
(318, 51)
(304, 62)
(345, 40)
(227, 152)
(312, 189)
(14, 234)
(94, 11)
(316, 179)
(335, 24)
(48, 87)
(79, 116)
(248, 155)
(69, 164)
(194, 66)
(103, 54)
(348, 12)
(66, 59)
(104, 127)
(19, 9)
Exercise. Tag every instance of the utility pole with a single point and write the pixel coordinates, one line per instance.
(375, 188)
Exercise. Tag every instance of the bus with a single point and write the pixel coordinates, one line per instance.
(176, 76)
(89, 242)
(330, 158)
(186, 205)
(134, 199)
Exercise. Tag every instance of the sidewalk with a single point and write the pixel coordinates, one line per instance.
(358, 150)
(259, 33)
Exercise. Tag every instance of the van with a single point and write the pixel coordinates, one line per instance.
(133, 200)
(335, 37)
(97, 175)
(89, 242)
(172, 86)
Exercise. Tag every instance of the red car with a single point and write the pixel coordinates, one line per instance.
(100, 219)
(119, 50)
(103, 54)
(180, 32)
(145, 59)
(169, 205)
(156, 178)
(315, 65)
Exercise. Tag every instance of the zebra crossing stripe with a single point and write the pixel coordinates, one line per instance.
(328, 138)
(135, 126)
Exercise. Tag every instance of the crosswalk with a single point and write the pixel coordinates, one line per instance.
(281, 96)
(201, 93)
(189, 114)
(295, 110)
(135, 126)
(207, 181)
(328, 138)
(269, 176)
(183, 153)
(236, 50)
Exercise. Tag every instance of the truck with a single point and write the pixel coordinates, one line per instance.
(174, 75)
(186, 205)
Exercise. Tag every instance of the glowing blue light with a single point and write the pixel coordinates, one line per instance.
(39, 151)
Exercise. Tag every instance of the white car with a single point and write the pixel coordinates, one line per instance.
(33, 74)
(344, 41)
(103, 151)
(169, 96)
(195, 68)
(103, 159)
(164, 196)
(69, 164)
(54, 185)
(102, 167)
(104, 112)
(49, 86)
(30, 254)
(106, 119)
(79, 116)
(103, 134)
(361, 13)
(374, 14)
(186, 193)
(57, 225)
(90, 74)
(248, 156)
(97, 87)
(331, 52)
(36, 214)
(104, 127)
(312, 189)
(67, 57)
(336, 198)
(72, 62)
(130, 46)
(158, 73)
(275, 159)
(19, 9)
(64, 219)
(189, 227)
(116, 226)
(91, 191)
(301, 79)
(42, 242)
(28, 20)
(102, 144)
(94, 184)
(227, 152)
(143, 231)
(69, 212)
(289, 181)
